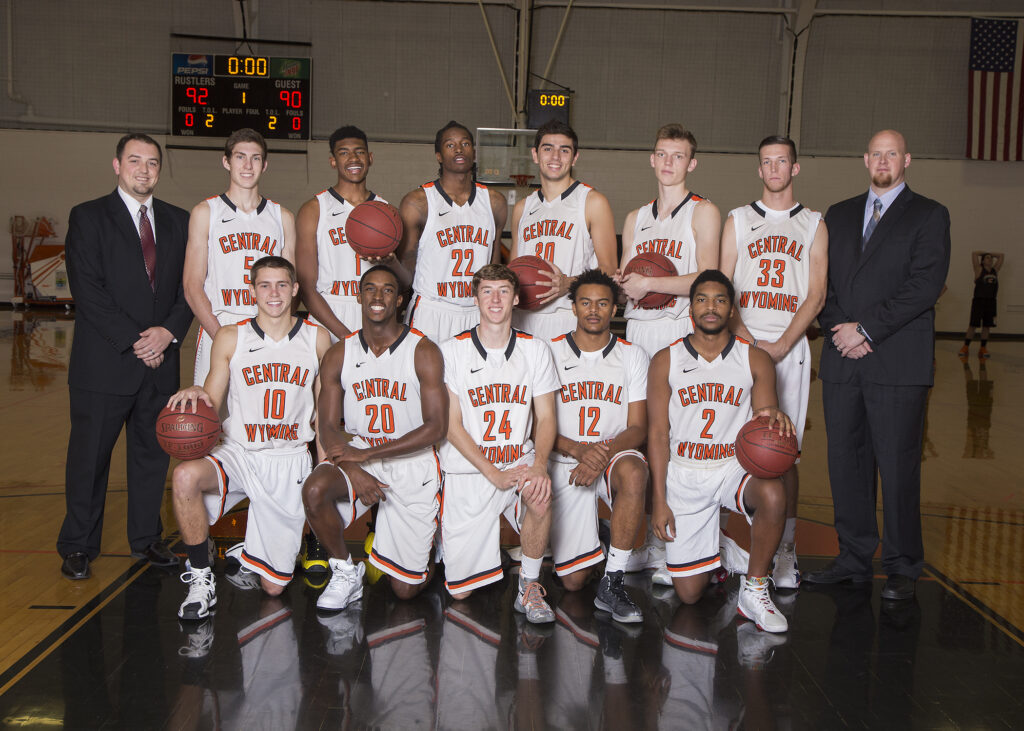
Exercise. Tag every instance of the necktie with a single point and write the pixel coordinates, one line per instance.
(870, 229)
(148, 246)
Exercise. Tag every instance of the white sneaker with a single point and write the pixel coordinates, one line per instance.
(234, 554)
(734, 558)
(786, 573)
(516, 553)
(755, 603)
(648, 556)
(345, 587)
(202, 593)
(754, 649)
(530, 601)
(199, 638)
(661, 576)
(345, 629)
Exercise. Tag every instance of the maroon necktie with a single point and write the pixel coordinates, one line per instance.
(148, 246)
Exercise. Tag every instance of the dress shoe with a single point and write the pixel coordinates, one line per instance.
(157, 554)
(76, 566)
(833, 573)
(898, 587)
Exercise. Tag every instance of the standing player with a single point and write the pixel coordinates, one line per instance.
(701, 390)
(602, 422)
(565, 222)
(328, 268)
(983, 304)
(267, 368)
(226, 235)
(452, 229)
(387, 380)
(501, 385)
(776, 252)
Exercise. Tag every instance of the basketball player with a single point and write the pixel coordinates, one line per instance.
(226, 235)
(700, 391)
(602, 422)
(266, 367)
(387, 381)
(776, 252)
(452, 229)
(565, 222)
(501, 385)
(328, 268)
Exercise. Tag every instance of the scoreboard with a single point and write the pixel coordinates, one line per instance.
(212, 95)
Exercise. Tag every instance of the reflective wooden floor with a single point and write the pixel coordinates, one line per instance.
(110, 653)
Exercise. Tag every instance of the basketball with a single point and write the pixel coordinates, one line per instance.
(763, 452)
(652, 264)
(185, 435)
(532, 286)
(374, 228)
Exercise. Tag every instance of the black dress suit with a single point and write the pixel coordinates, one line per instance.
(110, 387)
(874, 406)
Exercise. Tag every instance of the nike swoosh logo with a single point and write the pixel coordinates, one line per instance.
(647, 227)
(569, 368)
(533, 211)
(801, 361)
(442, 213)
(476, 370)
(253, 350)
(687, 370)
(360, 365)
(226, 220)
(336, 213)
(754, 228)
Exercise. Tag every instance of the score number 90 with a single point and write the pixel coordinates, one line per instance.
(199, 95)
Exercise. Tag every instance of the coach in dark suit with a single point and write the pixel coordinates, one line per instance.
(125, 254)
(888, 258)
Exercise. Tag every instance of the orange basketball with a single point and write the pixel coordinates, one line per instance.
(762, 451)
(532, 286)
(374, 228)
(652, 264)
(185, 435)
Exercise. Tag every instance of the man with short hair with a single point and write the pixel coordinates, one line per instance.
(452, 228)
(501, 385)
(565, 222)
(602, 423)
(266, 367)
(700, 391)
(226, 235)
(776, 252)
(125, 253)
(387, 381)
(888, 261)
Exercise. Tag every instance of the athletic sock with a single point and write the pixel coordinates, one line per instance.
(614, 671)
(198, 555)
(529, 568)
(789, 532)
(617, 559)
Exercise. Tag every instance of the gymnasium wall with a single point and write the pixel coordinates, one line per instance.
(46, 173)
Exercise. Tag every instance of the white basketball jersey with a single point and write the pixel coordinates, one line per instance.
(495, 391)
(382, 392)
(557, 231)
(270, 389)
(773, 264)
(709, 402)
(597, 388)
(456, 241)
(339, 266)
(673, 237)
(237, 240)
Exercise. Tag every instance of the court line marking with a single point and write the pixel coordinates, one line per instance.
(997, 620)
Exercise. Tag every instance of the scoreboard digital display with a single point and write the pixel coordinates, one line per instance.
(212, 95)
(542, 106)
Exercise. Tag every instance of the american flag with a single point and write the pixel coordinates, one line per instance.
(995, 104)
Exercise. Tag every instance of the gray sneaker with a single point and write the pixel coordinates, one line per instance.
(612, 597)
(530, 601)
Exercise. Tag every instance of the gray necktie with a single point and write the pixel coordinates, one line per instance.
(870, 228)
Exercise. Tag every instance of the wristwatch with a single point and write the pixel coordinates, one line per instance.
(861, 331)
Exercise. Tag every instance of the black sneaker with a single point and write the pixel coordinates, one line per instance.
(314, 557)
(612, 597)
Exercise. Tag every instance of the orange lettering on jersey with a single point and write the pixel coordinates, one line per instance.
(591, 391)
(498, 393)
(337, 236)
(705, 451)
(775, 245)
(237, 297)
(669, 247)
(379, 388)
(548, 227)
(275, 373)
(705, 392)
(455, 289)
(464, 234)
(770, 301)
(268, 432)
(504, 454)
(247, 241)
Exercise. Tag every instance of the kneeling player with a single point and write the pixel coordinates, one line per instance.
(501, 385)
(266, 367)
(602, 421)
(701, 390)
(388, 379)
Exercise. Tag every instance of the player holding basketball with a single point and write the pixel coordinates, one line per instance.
(679, 224)
(776, 252)
(387, 380)
(226, 235)
(328, 268)
(452, 228)
(602, 422)
(501, 385)
(700, 391)
(565, 222)
(266, 367)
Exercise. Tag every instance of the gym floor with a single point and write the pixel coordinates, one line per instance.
(110, 652)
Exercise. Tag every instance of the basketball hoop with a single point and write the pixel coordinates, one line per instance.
(522, 181)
